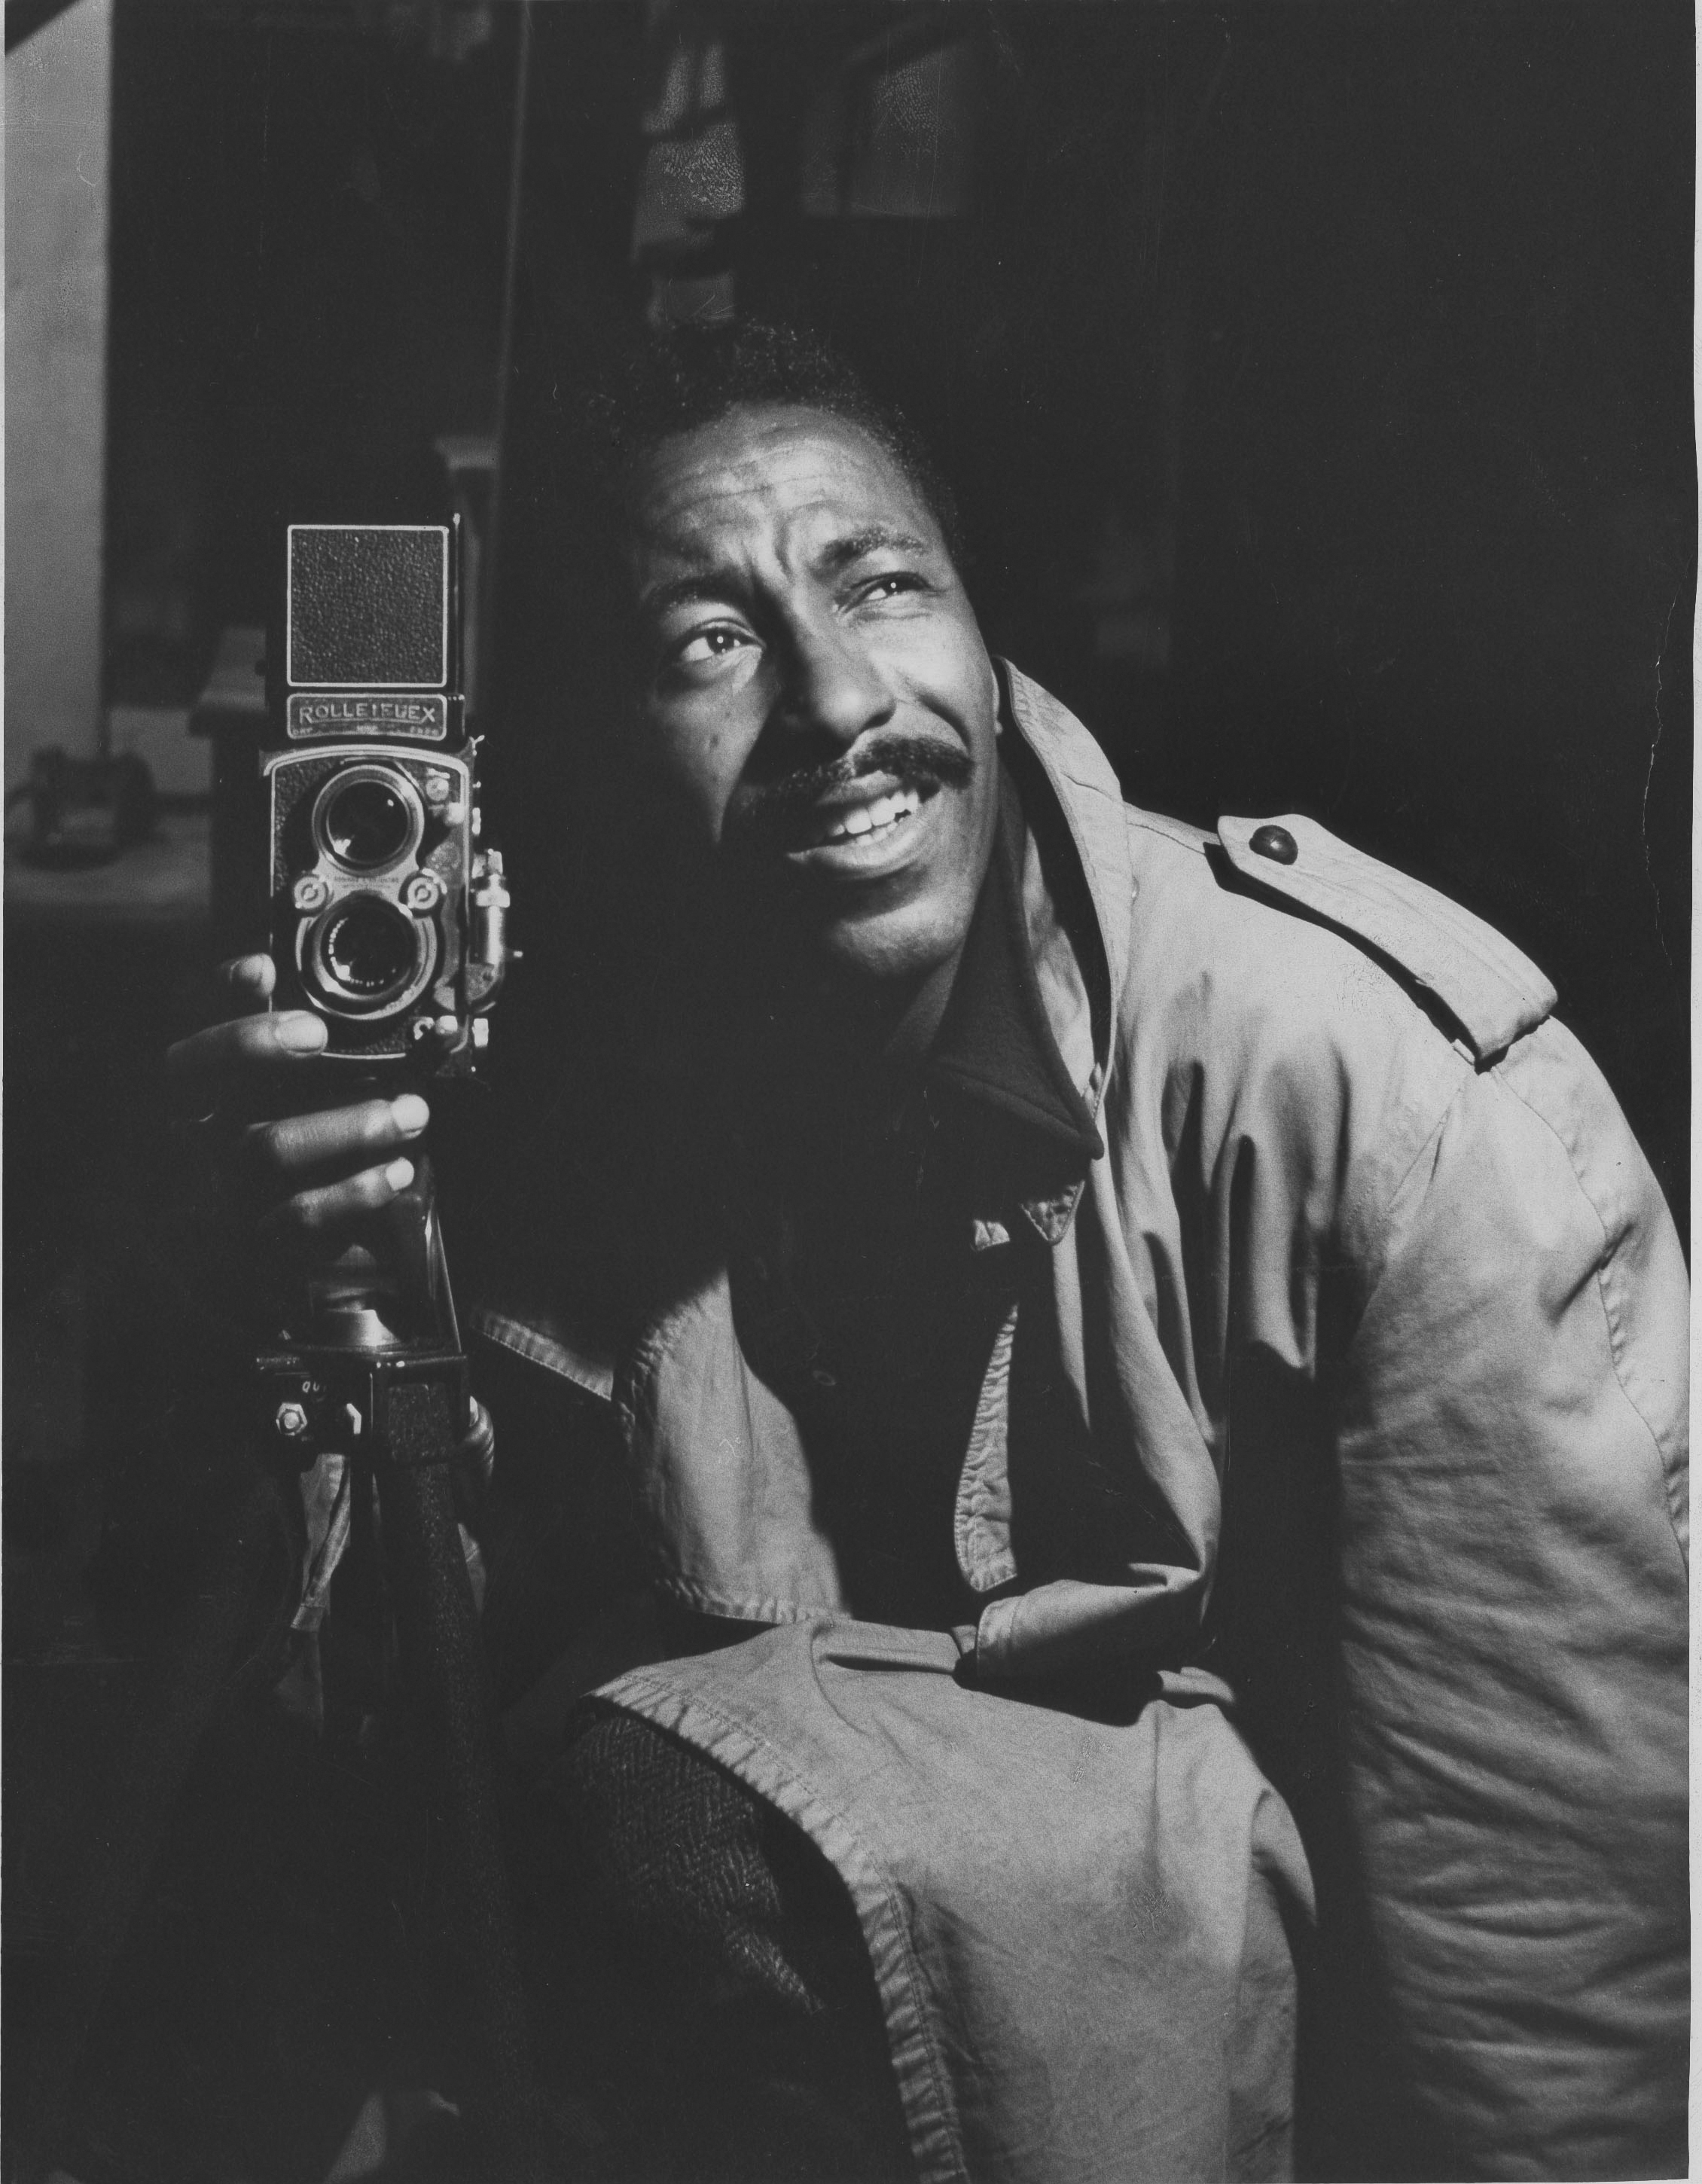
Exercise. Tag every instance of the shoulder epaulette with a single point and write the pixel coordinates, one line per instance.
(1492, 992)
(1179, 831)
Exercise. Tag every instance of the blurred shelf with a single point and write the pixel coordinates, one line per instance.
(166, 880)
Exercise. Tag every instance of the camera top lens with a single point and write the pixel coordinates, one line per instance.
(368, 818)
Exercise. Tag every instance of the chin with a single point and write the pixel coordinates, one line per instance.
(896, 947)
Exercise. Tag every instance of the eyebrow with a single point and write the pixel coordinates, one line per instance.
(711, 586)
(843, 552)
(685, 591)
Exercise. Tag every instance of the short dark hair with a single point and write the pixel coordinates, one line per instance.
(690, 376)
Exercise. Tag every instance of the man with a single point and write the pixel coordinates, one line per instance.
(1152, 1300)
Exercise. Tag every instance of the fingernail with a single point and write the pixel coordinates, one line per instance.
(409, 1113)
(300, 1034)
(399, 1174)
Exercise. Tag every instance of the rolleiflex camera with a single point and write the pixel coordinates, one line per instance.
(388, 917)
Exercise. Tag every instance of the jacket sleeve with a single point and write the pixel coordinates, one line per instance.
(1509, 1451)
(1448, 1306)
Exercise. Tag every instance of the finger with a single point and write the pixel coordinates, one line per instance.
(293, 1145)
(246, 978)
(313, 1214)
(247, 1042)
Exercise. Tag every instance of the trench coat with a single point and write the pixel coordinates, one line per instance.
(1327, 1498)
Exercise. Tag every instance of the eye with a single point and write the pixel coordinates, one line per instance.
(704, 645)
(889, 584)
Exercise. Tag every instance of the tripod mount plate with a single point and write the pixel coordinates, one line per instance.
(402, 1406)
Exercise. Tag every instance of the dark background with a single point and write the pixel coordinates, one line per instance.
(1316, 379)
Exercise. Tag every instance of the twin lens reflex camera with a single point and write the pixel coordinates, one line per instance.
(389, 918)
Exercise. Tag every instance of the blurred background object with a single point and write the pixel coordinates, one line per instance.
(57, 108)
(83, 810)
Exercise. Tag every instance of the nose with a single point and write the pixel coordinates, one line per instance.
(830, 690)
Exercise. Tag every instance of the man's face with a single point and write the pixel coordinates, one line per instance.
(813, 689)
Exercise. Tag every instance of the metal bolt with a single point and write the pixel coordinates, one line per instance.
(292, 1421)
(422, 891)
(437, 787)
(310, 893)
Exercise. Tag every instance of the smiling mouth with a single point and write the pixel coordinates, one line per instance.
(875, 819)
(852, 812)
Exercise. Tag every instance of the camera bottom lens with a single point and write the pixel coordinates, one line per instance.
(367, 957)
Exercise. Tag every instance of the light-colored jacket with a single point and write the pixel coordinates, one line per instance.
(1370, 1333)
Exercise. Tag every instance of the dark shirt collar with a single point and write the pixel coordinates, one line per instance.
(995, 1045)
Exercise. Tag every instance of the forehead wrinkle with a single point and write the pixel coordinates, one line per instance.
(827, 561)
(720, 519)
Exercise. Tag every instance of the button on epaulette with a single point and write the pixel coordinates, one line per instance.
(1492, 992)
(1275, 842)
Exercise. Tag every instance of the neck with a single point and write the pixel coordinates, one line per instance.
(914, 1017)
(841, 1043)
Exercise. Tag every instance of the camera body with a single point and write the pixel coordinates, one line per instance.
(388, 915)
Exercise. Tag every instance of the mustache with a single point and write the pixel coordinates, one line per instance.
(775, 808)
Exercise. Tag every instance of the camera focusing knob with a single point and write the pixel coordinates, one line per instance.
(444, 1031)
(423, 891)
(310, 892)
(489, 947)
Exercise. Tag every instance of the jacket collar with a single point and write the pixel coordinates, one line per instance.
(996, 1046)
(1091, 800)
(1077, 884)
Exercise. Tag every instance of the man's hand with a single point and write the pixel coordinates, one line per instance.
(312, 1173)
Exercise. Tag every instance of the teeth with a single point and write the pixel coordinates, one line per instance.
(870, 818)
